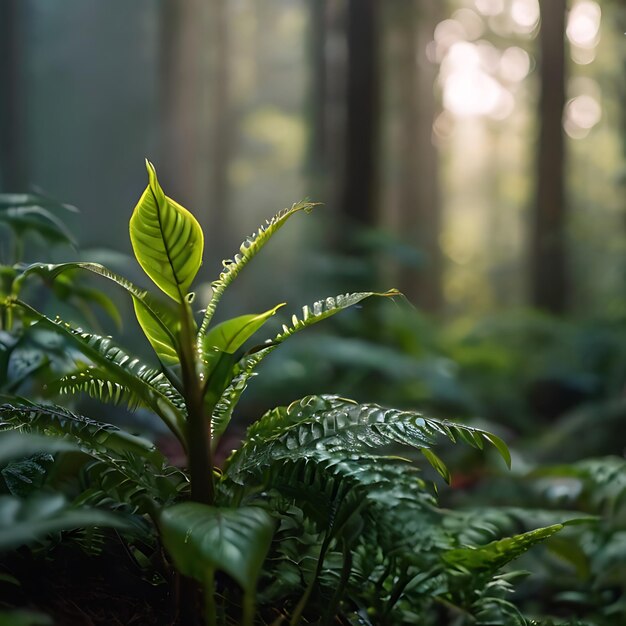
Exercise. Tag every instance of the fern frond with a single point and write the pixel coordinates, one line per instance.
(96, 383)
(247, 251)
(127, 472)
(91, 436)
(488, 559)
(323, 309)
(131, 485)
(26, 475)
(492, 608)
(603, 480)
(244, 370)
(331, 423)
(242, 373)
(156, 317)
(120, 368)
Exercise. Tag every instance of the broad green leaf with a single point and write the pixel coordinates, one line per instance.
(167, 240)
(247, 251)
(160, 337)
(202, 539)
(24, 521)
(230, 335)
(13, 200)
(219, 374)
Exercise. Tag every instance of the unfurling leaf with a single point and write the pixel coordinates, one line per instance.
(167, 240)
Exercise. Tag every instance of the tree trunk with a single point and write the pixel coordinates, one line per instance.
(330, 74)
(359, 196)
(13, 140)
(194, 96)
(413, 199)
(317, 92)
(549, 280)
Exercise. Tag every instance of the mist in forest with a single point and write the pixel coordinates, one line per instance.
(468, 152)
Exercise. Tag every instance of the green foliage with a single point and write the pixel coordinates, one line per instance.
(34, 213)
(167, 240)
(204, 539)
(26, 520)
(24, 618)
(314, 517)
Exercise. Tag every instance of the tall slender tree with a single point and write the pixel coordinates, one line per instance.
(13, 140)
(195, 106)
(412, 209)
(360, 188)
(548, 263)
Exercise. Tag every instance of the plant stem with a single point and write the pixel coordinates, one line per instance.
(247, 617)
(198, 424)
(297, 614)
(346, 569)
(396, 592)
(210, 608)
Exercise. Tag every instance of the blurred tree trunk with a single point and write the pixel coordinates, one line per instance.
(219, 150)
(415, 198)
(194, 95)
(548, 263)
(358, 199)
(317, 101)
(328, 114)
(13, 140)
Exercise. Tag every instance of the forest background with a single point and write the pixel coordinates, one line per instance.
(471, 153)
(434, 123)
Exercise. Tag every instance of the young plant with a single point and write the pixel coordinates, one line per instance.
(351, 531)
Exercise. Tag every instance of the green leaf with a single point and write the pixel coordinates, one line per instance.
(27, 475)
(331, 423)
(223, 410)
(230, 335)
(323, 309)
(121, 369)
(244, 370)
(167, 240)
(24, 618)
(494, 555)
(500, 446)
(24, 521)
(247, 251)
(156, 318)
(160, 337)
(437, 463)
(88, 434)
(17, 445)
(202, 539)
(30, 215)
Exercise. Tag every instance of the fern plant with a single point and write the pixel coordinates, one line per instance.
(315, 517)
